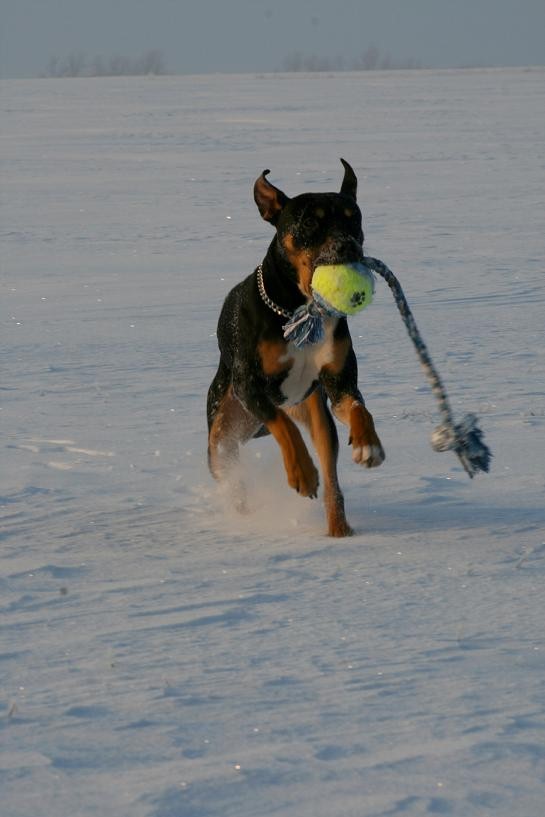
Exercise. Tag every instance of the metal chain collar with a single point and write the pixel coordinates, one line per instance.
(270, 303)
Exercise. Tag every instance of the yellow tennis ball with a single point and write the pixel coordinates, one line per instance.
(348, 288)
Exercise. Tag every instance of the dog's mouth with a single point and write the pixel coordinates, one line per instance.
(339, 250)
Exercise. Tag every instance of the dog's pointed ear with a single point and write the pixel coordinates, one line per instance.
(349, 186)
(269, 199)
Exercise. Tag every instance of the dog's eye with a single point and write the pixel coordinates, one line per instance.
(310, 224)
(352, 215)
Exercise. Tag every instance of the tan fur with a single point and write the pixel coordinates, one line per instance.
(272, 355)
(312, 413)
(366, 446)
(300, 470)
(303, 261)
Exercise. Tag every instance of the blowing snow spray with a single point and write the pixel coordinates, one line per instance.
(345, 289)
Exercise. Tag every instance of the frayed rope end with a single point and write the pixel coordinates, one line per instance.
(306, 325)
(466, 440)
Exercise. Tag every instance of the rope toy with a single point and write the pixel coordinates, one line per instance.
(337, 288)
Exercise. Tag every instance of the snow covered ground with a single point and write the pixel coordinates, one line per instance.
(162, 657)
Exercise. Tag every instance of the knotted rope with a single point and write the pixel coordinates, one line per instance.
(306, 325)
(464, 438)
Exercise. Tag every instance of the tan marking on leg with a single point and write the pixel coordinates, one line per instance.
(313, 413)
(366, 446)
(271, 353)
(300, 470)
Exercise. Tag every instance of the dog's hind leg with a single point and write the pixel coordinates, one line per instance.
(229, 425)
(315, 415)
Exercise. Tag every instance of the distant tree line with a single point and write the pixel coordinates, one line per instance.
(77, 64)
(369, 60)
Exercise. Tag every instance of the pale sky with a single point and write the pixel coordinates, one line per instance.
(201, 36)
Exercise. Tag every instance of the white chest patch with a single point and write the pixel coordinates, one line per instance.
(307, 364)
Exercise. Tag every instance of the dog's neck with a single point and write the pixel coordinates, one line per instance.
(280, 279)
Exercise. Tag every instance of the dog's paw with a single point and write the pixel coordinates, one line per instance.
(367, 449)
(304, 478)
(370, 456)
(339, 528)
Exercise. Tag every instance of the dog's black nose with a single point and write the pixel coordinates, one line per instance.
(340, 249)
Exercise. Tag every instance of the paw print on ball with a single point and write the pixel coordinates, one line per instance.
(358, 299)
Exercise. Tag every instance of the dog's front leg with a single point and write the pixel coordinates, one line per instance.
(300, 470)
(367, 449)
(315, 415)
(348, 406)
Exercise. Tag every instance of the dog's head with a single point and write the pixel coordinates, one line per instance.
(314, 228)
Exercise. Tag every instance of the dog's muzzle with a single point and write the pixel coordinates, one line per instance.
(340, 249)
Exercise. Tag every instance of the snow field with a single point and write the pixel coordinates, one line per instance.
(161, 656)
